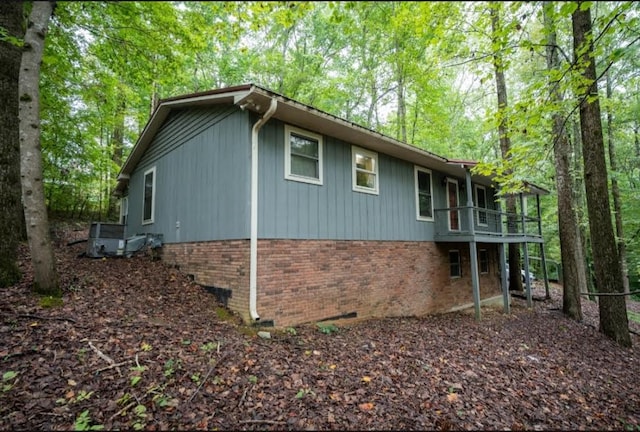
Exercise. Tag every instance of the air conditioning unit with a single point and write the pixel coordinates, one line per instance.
(105, 239)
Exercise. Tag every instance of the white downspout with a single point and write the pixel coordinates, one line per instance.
(253, 258)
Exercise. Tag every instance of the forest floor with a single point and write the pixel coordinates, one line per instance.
(137, 345)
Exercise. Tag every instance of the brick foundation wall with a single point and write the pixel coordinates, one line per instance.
(310, 280)
(220, 264)
(307, 280)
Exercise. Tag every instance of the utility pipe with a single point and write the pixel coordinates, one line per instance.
(253, 258)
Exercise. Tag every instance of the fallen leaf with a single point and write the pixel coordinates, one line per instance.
(452, 397)
(365, 379)
(367, 406)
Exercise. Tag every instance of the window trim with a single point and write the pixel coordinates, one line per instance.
(288, 130)
(354, 170)
(153, 195)
(459, 264)
(416, 170)
(452, 181)
(476, 188)
(486, 253)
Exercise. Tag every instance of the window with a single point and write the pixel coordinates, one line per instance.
(365, 170)
(302, 156)
(149, 198)
(483, 258)
(481, 202)
(124, 210)
(455, 267)
(424, 202)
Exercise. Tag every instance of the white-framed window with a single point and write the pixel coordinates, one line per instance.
(483, 261)
(365, 170)
(149, 196)
(481, 203)
(124, 210)
(302, 155)
(455, 266)
(424, 194)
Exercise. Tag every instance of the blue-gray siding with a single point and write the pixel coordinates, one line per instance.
(296, 210)
(202, 160)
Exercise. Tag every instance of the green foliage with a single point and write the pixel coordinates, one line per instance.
(327, 328)
(209, 346)
(83, 422)
(170, 367)
(50, 302)
(302, 393)
(7, 377)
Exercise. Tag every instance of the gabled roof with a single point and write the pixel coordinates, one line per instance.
(257, 99)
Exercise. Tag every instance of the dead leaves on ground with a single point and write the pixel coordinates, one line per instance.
(174, 365)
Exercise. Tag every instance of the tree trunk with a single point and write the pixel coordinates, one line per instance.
(515, 279)
(613, 312)
(615, 192)
(580, 207)
(42, 258)
(574, 277)
(11, 210)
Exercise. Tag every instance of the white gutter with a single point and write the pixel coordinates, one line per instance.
(253, 259)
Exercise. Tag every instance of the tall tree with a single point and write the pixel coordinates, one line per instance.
(615, 188)
(35, 210)
(11, 210)
(498, 43)
(608, 271)
(574, 275)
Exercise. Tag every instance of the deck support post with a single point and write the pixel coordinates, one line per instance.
(544, 259)
(503, 278)
(473, 252)
(525, 246)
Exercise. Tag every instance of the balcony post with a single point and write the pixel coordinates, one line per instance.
(542, 257)
(526, 252)
(503, 278)
(473, 253)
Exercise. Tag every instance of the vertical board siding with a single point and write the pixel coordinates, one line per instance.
(202, 160)
(297, 210)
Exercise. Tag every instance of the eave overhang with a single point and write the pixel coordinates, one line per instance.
(257, 99)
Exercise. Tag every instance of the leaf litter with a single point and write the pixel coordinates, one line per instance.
(138, 345)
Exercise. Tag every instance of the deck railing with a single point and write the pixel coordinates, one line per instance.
(454, 221)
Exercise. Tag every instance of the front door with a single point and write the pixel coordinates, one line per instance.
(452, 197)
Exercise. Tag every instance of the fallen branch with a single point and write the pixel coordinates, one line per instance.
(101, 354)
(130, 405)
(47, 318)
(610, 294)
(207, 375)
(115, 365)
(271, 422)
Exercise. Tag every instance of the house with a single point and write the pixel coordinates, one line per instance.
(290, 214)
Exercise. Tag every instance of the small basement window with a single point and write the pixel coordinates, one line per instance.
(302, 155)
(483, 261)
(455, 266)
